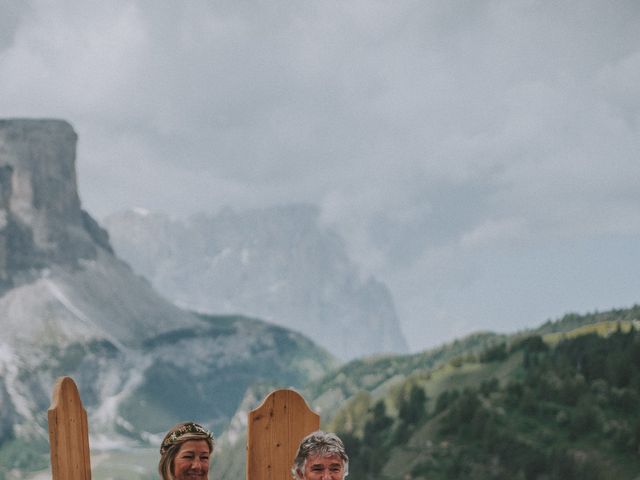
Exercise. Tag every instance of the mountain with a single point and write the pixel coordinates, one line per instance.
(556, 402)
(69, 306)
(277, 263)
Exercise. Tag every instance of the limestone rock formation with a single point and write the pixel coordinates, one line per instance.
(41, 221)
(58, 275)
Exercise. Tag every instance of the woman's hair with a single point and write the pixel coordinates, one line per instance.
(175, 437)
(319, 444)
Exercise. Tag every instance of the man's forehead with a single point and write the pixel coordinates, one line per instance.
(324, 459)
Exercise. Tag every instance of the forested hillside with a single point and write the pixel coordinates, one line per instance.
(562, 405)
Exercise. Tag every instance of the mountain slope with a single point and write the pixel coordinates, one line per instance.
(69, 306)
(381, 373)
(532, 407)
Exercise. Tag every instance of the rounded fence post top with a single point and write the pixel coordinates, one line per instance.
(63, 384)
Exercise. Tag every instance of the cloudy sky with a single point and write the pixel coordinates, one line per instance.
(480, 157)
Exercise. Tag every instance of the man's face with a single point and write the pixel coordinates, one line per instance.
(318, 467)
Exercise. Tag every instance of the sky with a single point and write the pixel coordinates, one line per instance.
(482, 158)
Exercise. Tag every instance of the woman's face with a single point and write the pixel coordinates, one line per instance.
(192, 461)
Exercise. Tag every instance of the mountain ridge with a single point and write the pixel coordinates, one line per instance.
(278, 263)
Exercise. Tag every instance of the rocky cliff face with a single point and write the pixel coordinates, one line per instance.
(58, 276)
(276, 263)
(41, 220)
(69, 306)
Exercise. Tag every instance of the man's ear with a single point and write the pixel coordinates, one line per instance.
(300, 474)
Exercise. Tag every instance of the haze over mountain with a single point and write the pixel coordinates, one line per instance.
(478, 157)
(276, 263)
(68, 306)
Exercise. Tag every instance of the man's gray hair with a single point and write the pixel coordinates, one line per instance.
(319, 444)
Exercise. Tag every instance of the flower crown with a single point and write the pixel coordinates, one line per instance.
(187, 428)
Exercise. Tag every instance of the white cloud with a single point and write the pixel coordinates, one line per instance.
(495, 231)
(72, 60)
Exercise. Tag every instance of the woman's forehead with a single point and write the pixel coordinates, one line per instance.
(194, 446)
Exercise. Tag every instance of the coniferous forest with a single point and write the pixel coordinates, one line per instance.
(568, 409)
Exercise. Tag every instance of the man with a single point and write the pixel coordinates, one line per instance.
(321, 456)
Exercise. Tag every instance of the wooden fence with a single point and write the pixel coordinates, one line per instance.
(68, 433)
(274, 431)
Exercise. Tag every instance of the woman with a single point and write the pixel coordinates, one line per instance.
(185, 452)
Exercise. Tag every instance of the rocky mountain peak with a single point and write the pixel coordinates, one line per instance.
(279, 263)
(41, 219)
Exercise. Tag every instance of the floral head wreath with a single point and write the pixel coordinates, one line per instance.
(189, 428)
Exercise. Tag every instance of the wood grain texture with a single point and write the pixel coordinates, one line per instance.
(68, 433)
(274, 431)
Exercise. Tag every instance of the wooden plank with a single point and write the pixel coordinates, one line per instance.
(68, 433)
(274, 431)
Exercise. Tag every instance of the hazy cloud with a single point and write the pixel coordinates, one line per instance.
(444, 139)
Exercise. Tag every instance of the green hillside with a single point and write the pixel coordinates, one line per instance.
(560, 402)
(379, 374)
(557, 402)
(572, 321)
